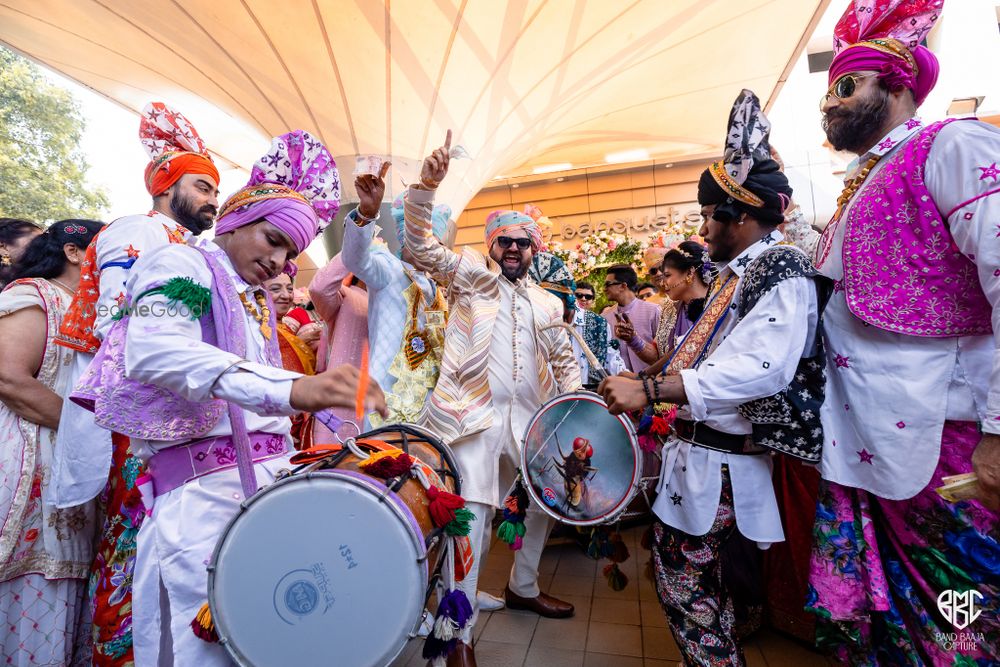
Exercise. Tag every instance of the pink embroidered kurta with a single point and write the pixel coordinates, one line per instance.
(344, 309)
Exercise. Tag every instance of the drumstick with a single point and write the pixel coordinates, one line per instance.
(591, 358)
(359, 400)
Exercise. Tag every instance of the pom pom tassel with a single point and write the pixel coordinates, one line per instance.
(512, 530)
(453, 614)
(616, 578)
(203, 626)
(448, 511)
(387, 464)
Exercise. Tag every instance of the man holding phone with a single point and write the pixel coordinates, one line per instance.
(634, 320)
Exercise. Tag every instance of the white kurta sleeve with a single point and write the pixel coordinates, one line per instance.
(759, 357)
(164, 345)
(374, 268)
(963, 177)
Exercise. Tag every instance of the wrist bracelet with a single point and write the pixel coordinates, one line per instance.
(645, 389)
(656, 390)
(429, 186)
(637, 343)
(364, 218)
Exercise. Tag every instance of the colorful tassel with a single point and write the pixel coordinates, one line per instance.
(387, 464)
(453, 614)
(617, 579)
(448, 511)
(203, 626)
(512, 529)
(619, 553)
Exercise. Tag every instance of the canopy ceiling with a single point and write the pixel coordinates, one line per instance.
(523, 84)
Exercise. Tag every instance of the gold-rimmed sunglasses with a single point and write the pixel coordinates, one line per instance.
(844, 87)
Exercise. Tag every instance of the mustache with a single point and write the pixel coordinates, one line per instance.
(208, 208)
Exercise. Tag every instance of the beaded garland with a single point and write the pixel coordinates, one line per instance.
(255, 193)
(735, 190)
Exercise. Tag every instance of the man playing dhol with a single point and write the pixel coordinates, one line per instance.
(912, 358)
(183, 181)
(750, 378)
(498, 367)
(193, 374)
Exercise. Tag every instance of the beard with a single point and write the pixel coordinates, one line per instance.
(513, 274)
(858, 130)
(184, 212)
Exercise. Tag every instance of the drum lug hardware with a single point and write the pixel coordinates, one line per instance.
(282, 474)
(210, 568)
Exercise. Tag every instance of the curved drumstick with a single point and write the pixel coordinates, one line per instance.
(591, 358)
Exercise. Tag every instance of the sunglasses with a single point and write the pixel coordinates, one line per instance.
(607, 285)
(844, 87)
(655, 271)
(506, 242)
(582, 296)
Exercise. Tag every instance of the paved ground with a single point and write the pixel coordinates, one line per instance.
(609, 629)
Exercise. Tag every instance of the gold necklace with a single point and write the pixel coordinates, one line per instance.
(855, 183)
(263, 316)
(61, 284)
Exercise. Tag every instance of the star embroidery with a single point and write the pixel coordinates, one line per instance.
(912, 123)
(887, 144)
(998, 232)
(866, 456)
(120, 299)
(743, 261)
(768, 240)
(131, 251)
(676, 498)
(989, 172)
(842, 361)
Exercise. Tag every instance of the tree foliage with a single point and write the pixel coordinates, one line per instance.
(42, 169)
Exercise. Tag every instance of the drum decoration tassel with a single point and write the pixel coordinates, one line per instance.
(203, 627)
(453, 614)
(515, 507)
(448, 511)
(617, 579)
(387, 464)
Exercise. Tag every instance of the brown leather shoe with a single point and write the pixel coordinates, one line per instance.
(462, 656)
(543, 605)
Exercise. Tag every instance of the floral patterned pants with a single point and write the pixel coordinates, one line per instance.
(698, 605)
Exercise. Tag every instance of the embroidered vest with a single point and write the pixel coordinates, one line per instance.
(150, 412)
(787, 422)
(902, 269)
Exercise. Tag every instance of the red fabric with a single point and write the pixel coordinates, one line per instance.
(163, 172)
(300, 315)
(786, 564)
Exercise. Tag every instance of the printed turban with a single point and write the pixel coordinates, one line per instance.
(500, 222)
(174, 148)
(551, 274)
(295, 186)
(884, 37)
(440, 221)
(747, 180)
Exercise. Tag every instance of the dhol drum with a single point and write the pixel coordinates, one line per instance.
(580, 464)
(329, 565)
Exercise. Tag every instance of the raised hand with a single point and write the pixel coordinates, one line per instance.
(371, 189)
(435, 166)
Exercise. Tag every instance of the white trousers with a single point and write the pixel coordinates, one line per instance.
(524, 572)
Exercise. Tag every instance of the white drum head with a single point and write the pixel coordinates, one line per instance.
(319, 569)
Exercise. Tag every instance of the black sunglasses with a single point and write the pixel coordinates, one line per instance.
(506, 242)
(655, 271)
(607, 285)
(844, 87)
(583, 296)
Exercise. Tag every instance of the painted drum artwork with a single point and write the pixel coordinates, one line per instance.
(580, 464)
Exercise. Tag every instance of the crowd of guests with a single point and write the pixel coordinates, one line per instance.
(145, 366)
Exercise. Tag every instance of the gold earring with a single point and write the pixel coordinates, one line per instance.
(689, 279)
(5, 260)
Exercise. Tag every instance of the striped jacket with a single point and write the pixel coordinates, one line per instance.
(461, 403)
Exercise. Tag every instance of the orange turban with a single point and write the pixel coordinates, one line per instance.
(174, 148)
(167, 169)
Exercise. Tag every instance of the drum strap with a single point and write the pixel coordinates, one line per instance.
(703, 435)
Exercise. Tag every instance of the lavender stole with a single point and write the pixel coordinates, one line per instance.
(230, 330)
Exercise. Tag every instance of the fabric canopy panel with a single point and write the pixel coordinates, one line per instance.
(524, 84)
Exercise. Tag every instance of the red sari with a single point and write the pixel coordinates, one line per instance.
(297, 356)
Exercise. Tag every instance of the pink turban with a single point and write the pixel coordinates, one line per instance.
(884, 36)
(295, 187)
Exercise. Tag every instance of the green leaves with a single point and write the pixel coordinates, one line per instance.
(41, 166)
